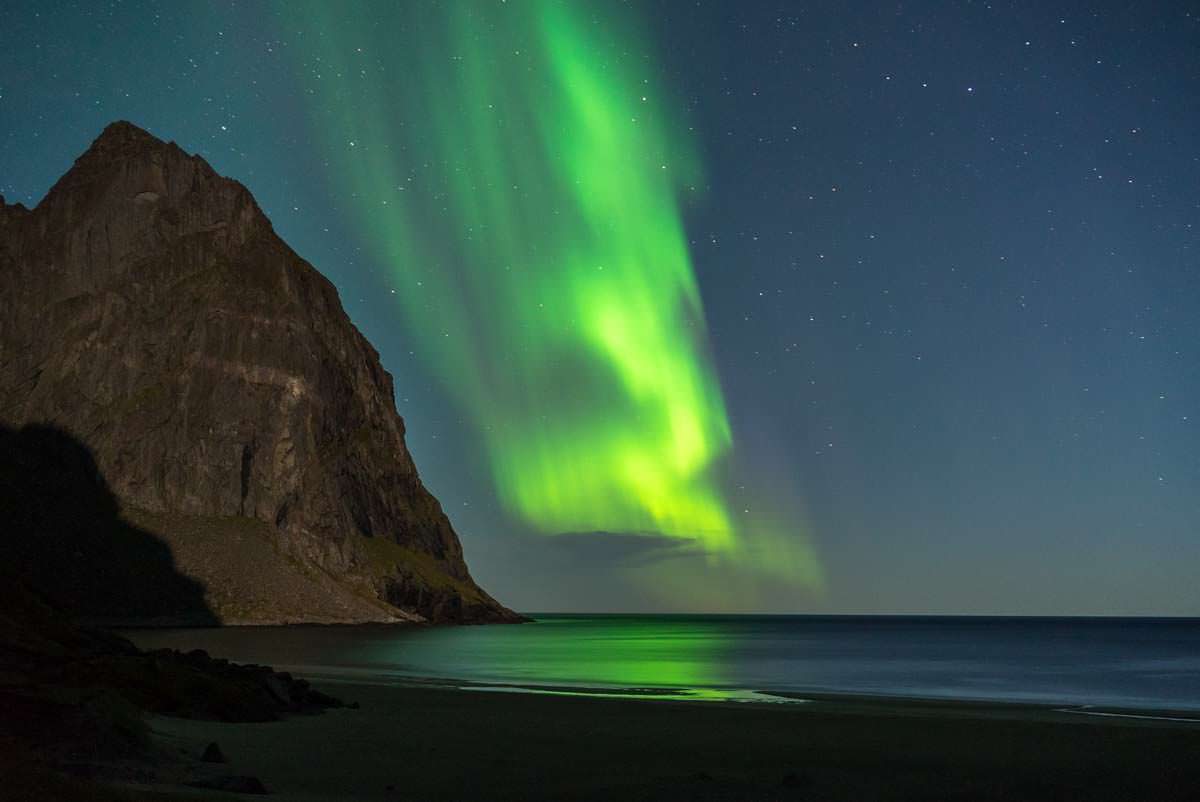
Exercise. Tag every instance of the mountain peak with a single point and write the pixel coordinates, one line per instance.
(122, 136)
(123, 130)
(104, 163)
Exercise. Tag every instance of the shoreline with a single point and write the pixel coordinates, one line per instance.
(604, 654)
(429, 742)
(346, 677)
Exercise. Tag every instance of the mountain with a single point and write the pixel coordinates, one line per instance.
(210, 396)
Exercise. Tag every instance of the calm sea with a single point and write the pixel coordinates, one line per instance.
(1124, 663)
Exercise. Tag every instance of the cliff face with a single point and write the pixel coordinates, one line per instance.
(148, 308)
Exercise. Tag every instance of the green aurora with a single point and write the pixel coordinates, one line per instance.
(515, 167)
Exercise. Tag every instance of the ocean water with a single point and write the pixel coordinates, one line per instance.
(1112, 663)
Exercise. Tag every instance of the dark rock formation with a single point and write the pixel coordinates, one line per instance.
(148, 308)
(74, 700)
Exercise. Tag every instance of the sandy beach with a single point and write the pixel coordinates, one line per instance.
(430, 743)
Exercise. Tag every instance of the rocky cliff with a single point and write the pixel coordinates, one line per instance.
(149, 311)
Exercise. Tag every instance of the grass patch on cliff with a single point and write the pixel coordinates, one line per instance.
(385, 556)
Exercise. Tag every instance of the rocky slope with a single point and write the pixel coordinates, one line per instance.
(150, 314)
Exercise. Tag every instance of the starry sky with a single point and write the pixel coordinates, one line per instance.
(921, 280)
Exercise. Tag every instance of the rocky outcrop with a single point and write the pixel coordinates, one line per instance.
(148, 309)
(74, 705)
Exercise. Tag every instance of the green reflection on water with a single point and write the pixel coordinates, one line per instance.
(615, 652)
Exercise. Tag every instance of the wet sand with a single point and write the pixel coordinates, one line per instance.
(431, 743)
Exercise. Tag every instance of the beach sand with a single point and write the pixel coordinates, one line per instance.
(432, 743)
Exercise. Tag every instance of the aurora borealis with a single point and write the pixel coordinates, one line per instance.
(721, 306)
(561, 309)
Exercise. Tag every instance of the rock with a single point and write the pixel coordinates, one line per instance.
(278, 689)
(226, 401)
(83, 712)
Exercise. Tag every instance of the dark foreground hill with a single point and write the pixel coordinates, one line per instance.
(193, 429)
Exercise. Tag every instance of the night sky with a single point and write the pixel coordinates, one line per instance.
(909, 295)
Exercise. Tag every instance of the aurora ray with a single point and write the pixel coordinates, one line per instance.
(522, 178)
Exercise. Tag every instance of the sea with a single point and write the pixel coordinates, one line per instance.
(1111, 664)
